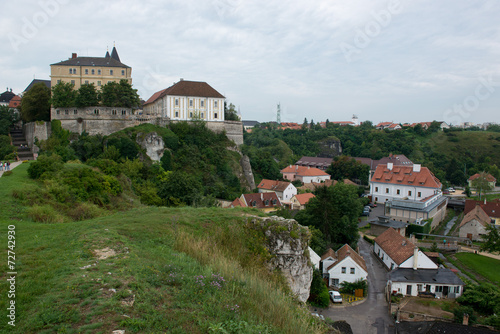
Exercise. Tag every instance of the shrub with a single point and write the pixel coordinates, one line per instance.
(319, 292)
(368, 239)
(45, 214)
(7, 173)
(348, 287)
(45, 166)
(459, 312)
(83, 211)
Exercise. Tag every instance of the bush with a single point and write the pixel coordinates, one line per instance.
(45, 214)
(83, 211)
(45, 166)
(459, 312)
(319, 292)
(348, 287)
(7, 173)
(368, 239)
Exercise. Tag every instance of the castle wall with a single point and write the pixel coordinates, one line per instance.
(38, 130)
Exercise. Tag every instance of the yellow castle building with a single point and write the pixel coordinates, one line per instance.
(86, 70)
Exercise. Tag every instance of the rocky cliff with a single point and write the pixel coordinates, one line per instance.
(287, 243)
(153, 144)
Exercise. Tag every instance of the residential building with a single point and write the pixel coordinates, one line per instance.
(90, 70)
(266, 202)
(474, 224)
(300, 201)
(35, 81)
(304, 174)
(394, 126)
(382, 223)
(185, 101)
(15, 103)
(490, 178)
(316, 162)
(383, 125)
(441, 282)
(395, 159)
(344, 265)
(395, 251)
(491, 208)
(284, 190)
(6, 96)
(314, 257)
(290, 125)
(249, 125)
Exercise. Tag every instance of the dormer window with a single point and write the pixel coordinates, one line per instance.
(266, 202)
(254, 203)
(274, 202)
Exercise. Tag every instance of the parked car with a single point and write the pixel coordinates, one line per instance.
(372, 205)
(451, 190)
(366, 212)
(335, 296)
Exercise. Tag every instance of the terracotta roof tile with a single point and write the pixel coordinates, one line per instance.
(397, 247)
(407, 176)
(478, 214)
(187, 88)
(347, 251)
(155, 96)
(273, 185)
(489, 177)
(329, 253)
(260, 200)
(304, 198)
(303, 171)
(492, 208)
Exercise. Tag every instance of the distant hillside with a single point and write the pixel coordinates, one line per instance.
(146, 270)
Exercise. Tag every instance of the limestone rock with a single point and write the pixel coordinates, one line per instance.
(287, 242)
(153, 144)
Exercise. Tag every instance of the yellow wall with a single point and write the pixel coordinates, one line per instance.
(61, 72)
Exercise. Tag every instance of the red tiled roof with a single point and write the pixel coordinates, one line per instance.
(187, 88)
(383, 124)
(260, 200)
(491, 208)
(273, 185)
(293, 126)
(405, 175)
(313, 185)
(488, 177)
(478, 214)
(237, 202)
(304, 198)
(397, 247)
(329, 253)
(347, 251)
(304, 171)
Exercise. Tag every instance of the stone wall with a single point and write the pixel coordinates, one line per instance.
(38, 130)
(288, 242)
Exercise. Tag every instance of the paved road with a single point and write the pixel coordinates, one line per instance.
(450, 225)
(12, 166)
(371, 316)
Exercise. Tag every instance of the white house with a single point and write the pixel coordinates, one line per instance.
(403, 182)
(474, 224)
(187, 100)
(304, 174)
(344, 265)
(284, 190)
(395, 251)
(314, 257)
(442, 282)
(300, 201)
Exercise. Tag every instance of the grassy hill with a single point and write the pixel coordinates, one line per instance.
(146, 270)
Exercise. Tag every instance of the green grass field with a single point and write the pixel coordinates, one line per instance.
(175, 270)
(482, 265)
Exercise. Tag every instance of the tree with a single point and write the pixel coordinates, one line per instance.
(481, 184)
(114, 94)
(230, 113)
(87, 96)
(348, 168)
(63, 95)
(334, 211)
(181, 188)
(35, 104)
(491, 240)
(8, 117)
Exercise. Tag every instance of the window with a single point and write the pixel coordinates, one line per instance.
(386, 190)
(176, 114)
(274, 202)
(335, 281)
(58, 81)
(190, 103)
(419, 194)
(74, 71)
(439, 288)
(353, 271)
(266, 202)
(376, 189)
(202, 115)
(392, 266)
(113, 112)
(420, 287)
(99, 72)
(86, 71)
(398, 191)
(58, 111)
(98, 83)
(124, 112)
(73, 82)
(202, 103)
(96, 111)
(123, 72)
(110, 72)
(409, 192)
(191, 114)
(457, 289)
(93, 71)
(66, 112)
(75, 112)
(176, 102)
(70, 71)
(86, 82)
(254, 203)
(344, 270)
(215, 104)
(215, 115)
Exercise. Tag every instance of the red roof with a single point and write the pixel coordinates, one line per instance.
(405, 175)
(397, 247)
(187, 88)
(261, 200)
(15, 102)
(273, 185)
(489, 177)
(477, 214)
(491, 208)
(303, 171)
(383, 124)
(237, 202)
(342, 253)
(293, 126)
(304, 198)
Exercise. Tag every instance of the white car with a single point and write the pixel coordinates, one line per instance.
(335, 296)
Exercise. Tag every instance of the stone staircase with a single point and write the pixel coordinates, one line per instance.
(19, 141)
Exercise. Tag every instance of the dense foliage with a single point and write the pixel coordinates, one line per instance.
(483, 299)
(8, 117)
(334, 211)
(319, 291)
(453, 155)
(35, 104)
(344, 168)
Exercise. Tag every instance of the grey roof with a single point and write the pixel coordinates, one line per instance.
(92, 61)
(250, 123)
(433, 276)
(317, 162)
(386, 222)
(35, 81)
(6, 96)
(114, 54)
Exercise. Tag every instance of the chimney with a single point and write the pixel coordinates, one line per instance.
(415, 258)
(73, 55)
(484, 199)
(262, 196)
(465, 322)
(416, 168)
(390, 165)
(182, 79)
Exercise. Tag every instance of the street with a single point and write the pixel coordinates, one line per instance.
(372, 315)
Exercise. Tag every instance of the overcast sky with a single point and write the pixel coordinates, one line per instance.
(398, 60)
